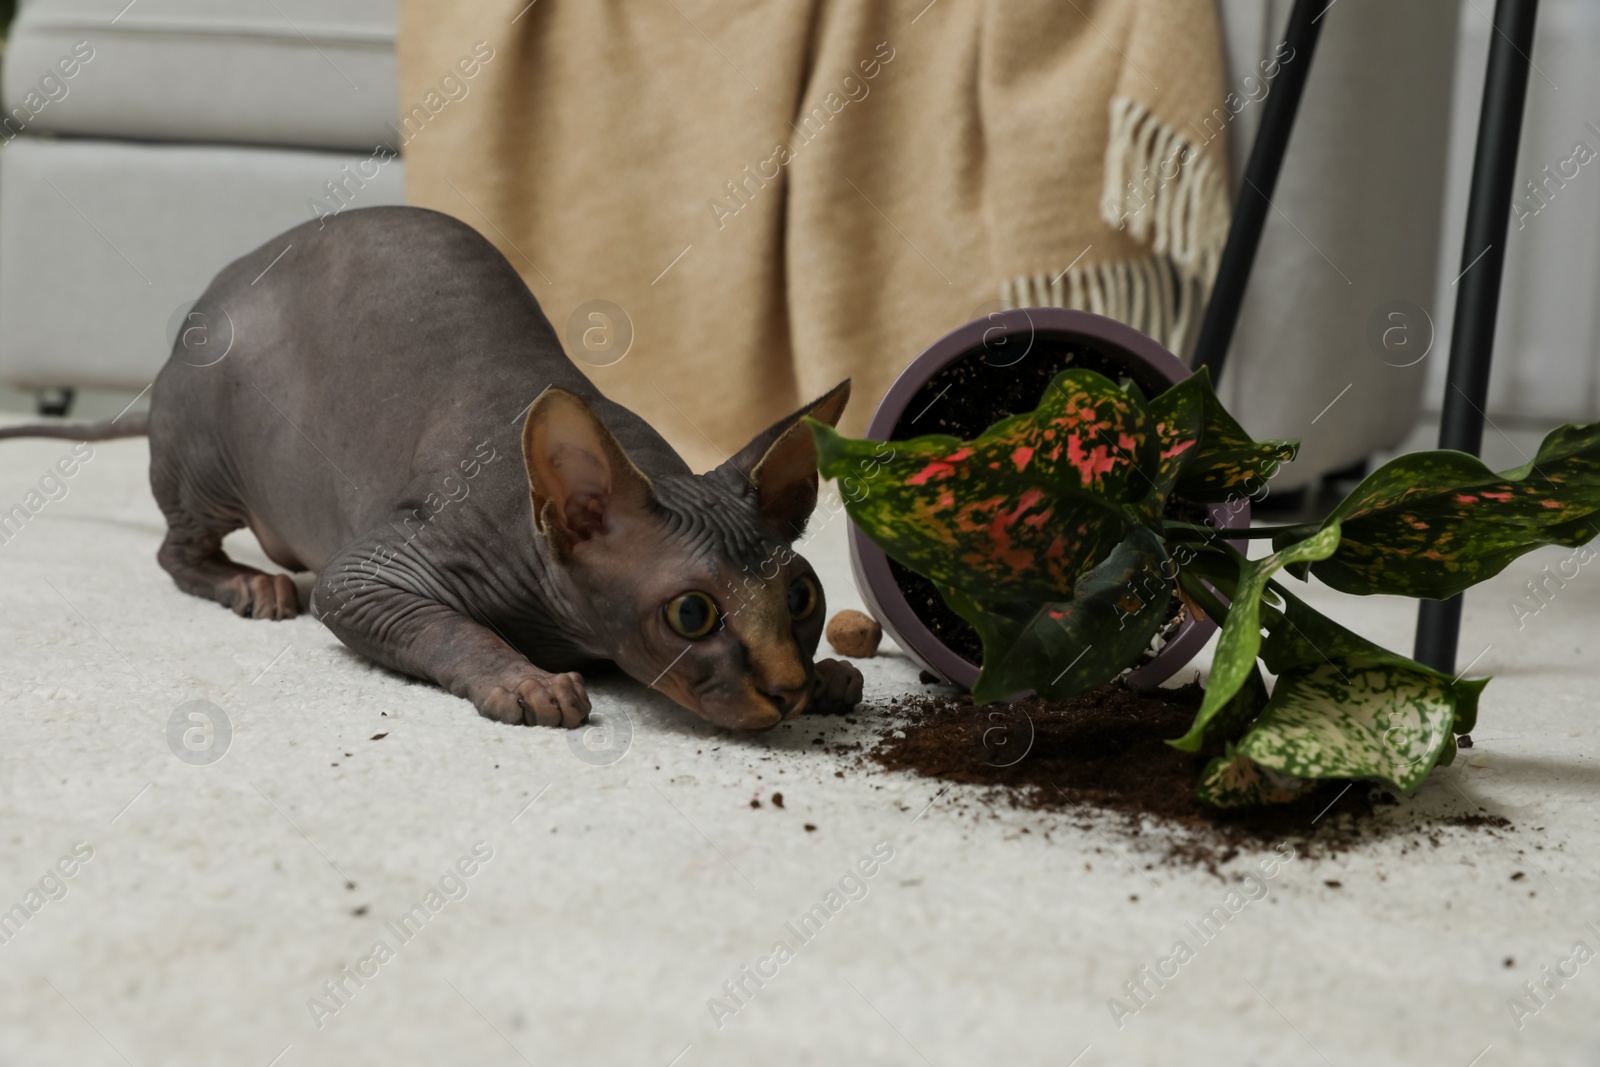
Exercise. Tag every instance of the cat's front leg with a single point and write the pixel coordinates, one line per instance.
(835, 687)
(407, 630)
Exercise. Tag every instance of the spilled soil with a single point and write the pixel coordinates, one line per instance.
(1103, 757)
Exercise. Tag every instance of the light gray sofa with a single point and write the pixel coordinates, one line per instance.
(200, 128)
(146, 145)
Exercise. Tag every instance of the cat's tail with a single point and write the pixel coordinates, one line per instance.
(135, 425)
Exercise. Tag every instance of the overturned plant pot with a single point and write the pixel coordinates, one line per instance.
(969, 379)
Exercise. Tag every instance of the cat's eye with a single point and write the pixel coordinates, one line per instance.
(692, 615)
(802, 597)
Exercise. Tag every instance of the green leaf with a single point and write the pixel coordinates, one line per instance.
(1236, 781)
(1339, 720)
(1179, 417)
(1229, 464)
(1300, 637)
(1431, 524)
(1333, 721)
(1240, 640)
(1020, 512)
(1343, 707)
(1242, 709)
(1069, 647)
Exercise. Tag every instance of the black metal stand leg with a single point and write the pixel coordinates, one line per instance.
(1260, 178)
(1478, 289)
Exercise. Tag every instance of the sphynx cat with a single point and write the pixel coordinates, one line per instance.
(380, 399)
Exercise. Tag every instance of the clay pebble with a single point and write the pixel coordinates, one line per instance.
(854, 634)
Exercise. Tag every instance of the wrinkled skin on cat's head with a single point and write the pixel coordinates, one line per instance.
(691, 585)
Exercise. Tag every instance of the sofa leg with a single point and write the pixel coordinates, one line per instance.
(56, 401)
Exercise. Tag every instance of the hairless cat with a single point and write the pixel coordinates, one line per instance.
(379, 398)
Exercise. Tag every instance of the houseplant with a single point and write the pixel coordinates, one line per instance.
(966, 380)
(1048, 532)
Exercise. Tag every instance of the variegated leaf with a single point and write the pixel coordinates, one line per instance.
(1432, 524)
(1240, 639)
(1235, 717)
(1020, 512)
(1300, 637)
(1229, 464)
(1179, 417)
(1236, 781)
(1063, 648)
(1087, 433)
(1341, 721)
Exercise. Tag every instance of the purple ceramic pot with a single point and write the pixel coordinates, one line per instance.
(1005, 339)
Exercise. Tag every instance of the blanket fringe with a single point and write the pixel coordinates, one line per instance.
(1164, 193)
(1147, 293)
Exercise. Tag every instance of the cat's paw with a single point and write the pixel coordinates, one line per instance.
(536, 698)
(835, 687)
(261, 596)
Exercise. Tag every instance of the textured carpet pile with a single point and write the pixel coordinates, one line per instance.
(535, 906)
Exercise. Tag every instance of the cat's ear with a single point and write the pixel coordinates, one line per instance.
(581, 480)
(781, 462)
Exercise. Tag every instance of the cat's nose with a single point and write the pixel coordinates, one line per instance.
(788, 701)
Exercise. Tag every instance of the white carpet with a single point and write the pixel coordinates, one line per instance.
(215, 903)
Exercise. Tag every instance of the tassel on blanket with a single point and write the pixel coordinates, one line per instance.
(1148, 294)
(1164, 193)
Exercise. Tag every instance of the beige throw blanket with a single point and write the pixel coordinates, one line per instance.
(779, 196)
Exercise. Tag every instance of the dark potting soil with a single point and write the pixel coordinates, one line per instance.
(986, 385)
(973, 393)
(1105, 753)
(954, 632)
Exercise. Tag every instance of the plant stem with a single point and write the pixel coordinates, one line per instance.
(1195, 589)
(1215, 563)
(1190, 531)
